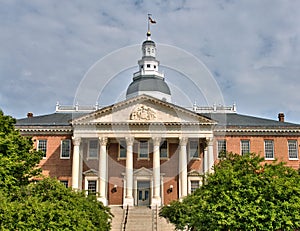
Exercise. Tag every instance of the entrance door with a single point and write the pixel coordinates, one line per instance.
(143, 193)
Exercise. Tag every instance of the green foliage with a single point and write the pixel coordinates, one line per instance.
(243, 193)
(18, 160)
(49, 205)
(46, 205)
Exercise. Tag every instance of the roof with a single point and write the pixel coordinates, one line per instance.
(54, 119)
(148, 84)
(238, 120)
(233, 120)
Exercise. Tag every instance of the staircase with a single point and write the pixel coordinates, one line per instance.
(117, 220)
(139, 219)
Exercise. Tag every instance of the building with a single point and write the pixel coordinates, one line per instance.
(146, 150)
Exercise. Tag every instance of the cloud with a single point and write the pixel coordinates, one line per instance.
(252, 47)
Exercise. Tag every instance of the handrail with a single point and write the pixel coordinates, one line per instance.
(125, 218)
(155, 219)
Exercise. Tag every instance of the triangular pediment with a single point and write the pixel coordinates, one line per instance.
(91, 172)
(142, 109)
(142, 172)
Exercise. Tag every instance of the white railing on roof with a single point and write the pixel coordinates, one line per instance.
(76, 108)
(214, 109)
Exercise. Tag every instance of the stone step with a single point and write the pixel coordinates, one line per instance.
(139, 219)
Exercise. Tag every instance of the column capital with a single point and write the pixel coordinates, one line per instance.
(209, 141)
(183, 141)
(103, 141)
(156, 140)
(76, 140)
(129, 140)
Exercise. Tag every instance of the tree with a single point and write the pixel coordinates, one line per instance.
(18, 159)
(49, 205)
(243, 193)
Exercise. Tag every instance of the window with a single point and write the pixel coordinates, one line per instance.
(193, 149)
(221, 148)
(269, 149)
(292, 149)
(93, 149)
(65, 183)
(163, 149)
(92, 186)
(245, 147)
(65, 149)
(143, 152)
(42, 146)
(194, 185)
(122, 149)
(148, 65)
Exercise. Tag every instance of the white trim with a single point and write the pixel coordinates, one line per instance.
(297, 151)
(38, 149)
(273, 147)
(241, 146)
(189, 149)
(61, 150)
(193, 178)
(88, 150)
(139, 149)
(90, 178)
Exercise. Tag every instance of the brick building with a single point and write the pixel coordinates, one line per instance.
(145, 150)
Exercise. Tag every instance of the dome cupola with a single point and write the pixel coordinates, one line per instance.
(148, 80)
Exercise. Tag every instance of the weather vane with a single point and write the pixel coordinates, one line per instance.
(150, 21)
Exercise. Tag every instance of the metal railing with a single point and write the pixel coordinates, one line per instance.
(155, 219)
(125, 218)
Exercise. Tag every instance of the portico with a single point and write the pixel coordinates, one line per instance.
(140, 155)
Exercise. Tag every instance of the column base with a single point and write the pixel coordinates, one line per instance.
(128, 202)
(103, 200)
(155, 201)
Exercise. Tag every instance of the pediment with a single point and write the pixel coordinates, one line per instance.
(142, 172)
(194, 173)
(142, 109)
(91, 172)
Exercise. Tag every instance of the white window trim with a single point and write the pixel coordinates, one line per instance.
(189, 150)
(193, 178)
(273, 158)
(139, 150)
(242, 145)
(88, 153)
(296, 150)
(86, 184)
(167, 157)
(218, 152)
(119, 150)
(61, 149)
(44, 157)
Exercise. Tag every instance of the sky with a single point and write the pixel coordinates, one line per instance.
(250, 47)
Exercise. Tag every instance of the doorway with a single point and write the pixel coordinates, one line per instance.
(143, 193)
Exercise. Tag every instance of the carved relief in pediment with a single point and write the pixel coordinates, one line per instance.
(143, 112)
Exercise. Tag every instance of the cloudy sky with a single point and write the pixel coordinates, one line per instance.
(251, 47)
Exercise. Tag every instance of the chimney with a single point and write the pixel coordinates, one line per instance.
(29, 115)
(281, 117)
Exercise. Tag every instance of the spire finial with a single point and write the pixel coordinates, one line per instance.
(150, 20)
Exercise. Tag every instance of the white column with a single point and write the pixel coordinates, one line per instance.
(205, 161)
(102, 170)
(210, 154)
(76, 161)
(183, 166)
(129, 173)
(156, 200)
